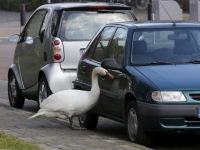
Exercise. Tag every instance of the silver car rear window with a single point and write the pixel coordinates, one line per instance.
(82, 25)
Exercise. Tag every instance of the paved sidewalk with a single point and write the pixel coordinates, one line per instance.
(53, 134)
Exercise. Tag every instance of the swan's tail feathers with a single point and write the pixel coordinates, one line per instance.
(36, 115)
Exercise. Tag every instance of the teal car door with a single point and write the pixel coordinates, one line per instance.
(112, 89)
(95, 54)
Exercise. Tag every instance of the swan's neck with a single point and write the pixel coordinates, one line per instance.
(95, 86)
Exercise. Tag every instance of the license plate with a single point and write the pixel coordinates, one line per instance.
(198, 112)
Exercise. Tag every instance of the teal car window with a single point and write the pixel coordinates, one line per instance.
(92, 48)
(166, 46)
(117, 46)
(102, 45)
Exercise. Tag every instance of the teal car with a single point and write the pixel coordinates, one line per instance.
(156, 66)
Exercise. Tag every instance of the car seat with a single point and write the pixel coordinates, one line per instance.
(139, 55)
(183, 50)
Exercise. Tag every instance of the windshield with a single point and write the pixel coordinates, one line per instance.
(160, 47)
(82, 25)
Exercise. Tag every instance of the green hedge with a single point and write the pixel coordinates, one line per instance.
(14, 5)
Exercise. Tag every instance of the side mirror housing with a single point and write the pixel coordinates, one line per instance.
(110, 63)
(14, 38)
(82, 51)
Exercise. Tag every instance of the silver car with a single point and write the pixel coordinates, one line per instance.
(51, 44)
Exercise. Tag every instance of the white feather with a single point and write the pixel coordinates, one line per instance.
(68, 103)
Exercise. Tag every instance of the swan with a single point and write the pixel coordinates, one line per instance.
(68, 103)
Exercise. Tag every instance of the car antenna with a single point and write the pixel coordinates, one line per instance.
(174, 24)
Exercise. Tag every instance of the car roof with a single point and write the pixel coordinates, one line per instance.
(157, 24)
(66, 5)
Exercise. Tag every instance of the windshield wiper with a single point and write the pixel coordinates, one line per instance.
(109, 11)
(194, 62)
(160, 63)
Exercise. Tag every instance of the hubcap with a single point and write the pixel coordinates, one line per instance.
(82, 118)
(12, 91)
(42, 92)
(132, 124)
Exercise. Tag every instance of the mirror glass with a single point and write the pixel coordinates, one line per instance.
(29, 40)
(14, 38)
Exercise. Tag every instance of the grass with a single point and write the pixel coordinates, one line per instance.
(8, 142)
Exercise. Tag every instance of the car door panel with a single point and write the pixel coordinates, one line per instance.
(95, 54)
(112, 95)
(30, 61)
(31, 49)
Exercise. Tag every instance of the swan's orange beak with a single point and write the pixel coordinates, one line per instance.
(110, 75)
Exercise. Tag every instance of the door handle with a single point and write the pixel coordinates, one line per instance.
(102, 78)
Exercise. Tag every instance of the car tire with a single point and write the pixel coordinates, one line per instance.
(14, 93)
(134, 127)
(43, 91)
(88, 120)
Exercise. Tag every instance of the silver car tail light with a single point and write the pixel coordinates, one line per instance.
(57, 47)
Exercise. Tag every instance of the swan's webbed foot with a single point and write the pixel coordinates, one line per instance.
(74, 127)
(78, 128)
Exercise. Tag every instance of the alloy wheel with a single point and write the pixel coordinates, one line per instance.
(42, 92)
(12, 90)
(132, 124)
(82, 118)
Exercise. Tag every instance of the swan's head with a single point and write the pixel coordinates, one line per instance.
(103, 72)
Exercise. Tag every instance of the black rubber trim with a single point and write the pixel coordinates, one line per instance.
(158, 110)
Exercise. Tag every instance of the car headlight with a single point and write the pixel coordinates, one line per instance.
(168, 96)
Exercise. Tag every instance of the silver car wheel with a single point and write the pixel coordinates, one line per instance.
(42, 92)
(13, 91)
(132, 124)
(82, 118)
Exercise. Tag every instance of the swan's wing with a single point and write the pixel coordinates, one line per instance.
(65, 100)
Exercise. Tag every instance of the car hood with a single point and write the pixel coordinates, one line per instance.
(173, 77)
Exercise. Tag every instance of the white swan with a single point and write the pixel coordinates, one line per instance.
(68, 103)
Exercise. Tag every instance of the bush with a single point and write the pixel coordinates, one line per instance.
(14, 5)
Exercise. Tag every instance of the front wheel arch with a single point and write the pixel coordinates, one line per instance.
(15, 96)
(129, 97)
(134, 126)
(13, 69)
(43, 90)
